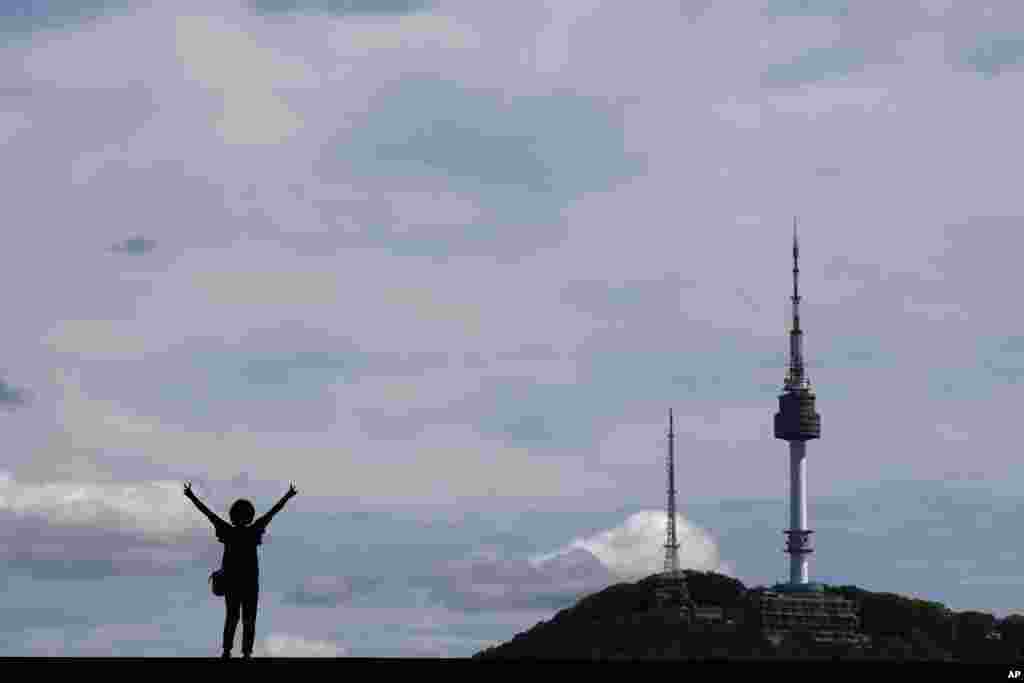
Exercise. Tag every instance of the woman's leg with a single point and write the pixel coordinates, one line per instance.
(249, 603)
(233, 605)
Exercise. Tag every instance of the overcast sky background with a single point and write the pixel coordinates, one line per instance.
(446, 266)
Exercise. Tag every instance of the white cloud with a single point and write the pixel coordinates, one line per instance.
(287, 645)
(635, 548)
(155, 508)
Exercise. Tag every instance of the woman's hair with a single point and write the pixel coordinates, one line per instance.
(242, 512)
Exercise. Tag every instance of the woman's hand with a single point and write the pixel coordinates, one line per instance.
(291, 490)
(188, 489)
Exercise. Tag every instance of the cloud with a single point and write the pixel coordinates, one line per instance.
(97, 339)
(16, 619)
(524, 154)
(281, 370)
(225, 58)
(635, 549)
(814, 65)
(103, 438)
(155, 509)
(287, 645)
(122, 640)
(330, 591)
(134, 246)
(795, 8)
(992, 581)
(46, 550)
(531, 428)
(281, 237)
(11, 396)
(36, 16)
(950, 433)
(995, 55)
(560, 143)
(75, 530)
(488, 581)
(341, 7)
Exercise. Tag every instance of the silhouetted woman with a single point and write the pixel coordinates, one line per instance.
(240, 564)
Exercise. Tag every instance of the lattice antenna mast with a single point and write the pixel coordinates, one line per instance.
(671, 542)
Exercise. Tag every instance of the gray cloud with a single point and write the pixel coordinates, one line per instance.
(134, 245)
(12, 396)
(1009, 373)
(840, 266)
(814, 65)
(15, 619)
(280, 370)
(529, 428)
(49, 551)
(518, 410)
(331, 591)
(496, 583)
(616, 302)
(264, 383)
(996, 55)
(341, 7)
(797, 8)
(51, 14)
(560, 143)
(520, 158)
(693, 10)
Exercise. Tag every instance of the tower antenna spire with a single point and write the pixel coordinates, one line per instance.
(796, 261)
(796, 377)
(671, 541)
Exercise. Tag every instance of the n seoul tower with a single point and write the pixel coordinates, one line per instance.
(797, 423)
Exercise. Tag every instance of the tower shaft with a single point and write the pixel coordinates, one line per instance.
(798, 543)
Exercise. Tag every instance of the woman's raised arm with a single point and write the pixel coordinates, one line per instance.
(265, 519)
(210, 514)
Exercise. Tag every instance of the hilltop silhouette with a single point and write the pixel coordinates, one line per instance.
(631, 621)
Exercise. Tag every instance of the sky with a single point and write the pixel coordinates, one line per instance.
(446, 265)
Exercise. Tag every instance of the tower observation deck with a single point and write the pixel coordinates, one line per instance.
(797, 422)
